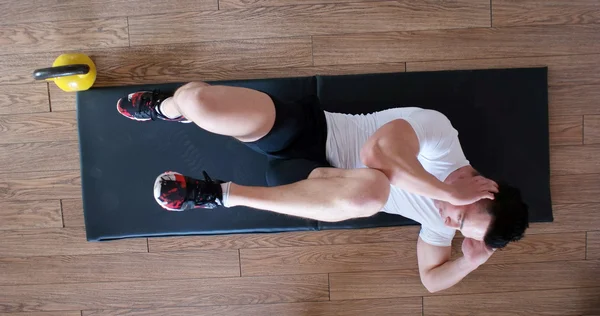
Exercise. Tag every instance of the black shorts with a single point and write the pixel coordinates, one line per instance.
(296, 143)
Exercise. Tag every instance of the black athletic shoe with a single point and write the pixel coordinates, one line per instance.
(176, 192)
(143, 106)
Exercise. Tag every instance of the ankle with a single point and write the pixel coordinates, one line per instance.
(225, 187)
(168, 108)
(235, 193)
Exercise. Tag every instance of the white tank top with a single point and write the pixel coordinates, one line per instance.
(440, 154)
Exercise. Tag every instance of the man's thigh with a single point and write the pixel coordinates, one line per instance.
(300, 131)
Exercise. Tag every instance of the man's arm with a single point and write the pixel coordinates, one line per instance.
(393, 149)
(435, 268)
(438, 272)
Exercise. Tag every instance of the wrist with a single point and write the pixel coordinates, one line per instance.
(448, 193)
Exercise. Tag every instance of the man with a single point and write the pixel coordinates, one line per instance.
(332, 167)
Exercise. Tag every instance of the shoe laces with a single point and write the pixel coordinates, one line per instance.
(147, 106)
(202, 191)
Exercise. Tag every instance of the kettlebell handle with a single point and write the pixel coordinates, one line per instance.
(61, 71)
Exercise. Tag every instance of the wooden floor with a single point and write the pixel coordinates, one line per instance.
(48, 269)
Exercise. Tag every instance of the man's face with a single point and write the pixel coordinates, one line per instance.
(469, 219)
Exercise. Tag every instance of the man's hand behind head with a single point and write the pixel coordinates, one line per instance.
(469, 190)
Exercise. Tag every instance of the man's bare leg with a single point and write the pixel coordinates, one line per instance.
(243, 113)
(329, 194)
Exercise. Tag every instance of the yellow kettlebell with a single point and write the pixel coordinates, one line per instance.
(70, 72)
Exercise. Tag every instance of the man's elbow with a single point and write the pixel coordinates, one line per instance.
(373, 155)
(432, 289)
(430, 284)
(370, 153)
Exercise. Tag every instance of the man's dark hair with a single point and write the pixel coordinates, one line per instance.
(510, 217)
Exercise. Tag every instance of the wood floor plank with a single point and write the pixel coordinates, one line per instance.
(120, 267)
(239, 4)
(57, 10)
(63, 36)
(544, 12)
(535, 248)
(574, 100)
(48, 156)
(376, 284)
(17, 69)
(581, 188)
(30, 214)
(325, 259)
(224, 60)
(59, 313)
(487, 279)
(242, 73)
(178, 62)
(164, 293)
(286, 239)
(25, 98)
(566, 130)
(593, 245)
(50, 185)
(562, 70)
(569, 302)
(303, 20)
(402, 307)
(591, 129)
(72, 211)
(569, 218)
(245, 73)
(61, 241)
(61, 100)
(523, 41)
(38, 127)
(574, 159)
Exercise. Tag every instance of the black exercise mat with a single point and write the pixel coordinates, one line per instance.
(501, 115)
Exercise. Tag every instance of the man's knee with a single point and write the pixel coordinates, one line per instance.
(326, 172)
(196, 96)
(370, 193)
(190, 86)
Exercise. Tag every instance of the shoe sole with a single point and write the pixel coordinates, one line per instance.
(170, 175)
(129, 117)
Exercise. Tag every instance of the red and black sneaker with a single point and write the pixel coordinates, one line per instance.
(145, 106)
(176, 192)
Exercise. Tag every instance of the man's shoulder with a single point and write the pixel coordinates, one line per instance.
(437, 235)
